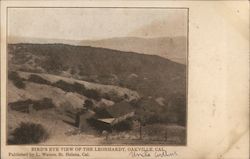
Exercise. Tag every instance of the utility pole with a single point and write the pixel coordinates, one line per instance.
(140, 130)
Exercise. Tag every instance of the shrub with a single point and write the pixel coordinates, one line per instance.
(115, 97)
(53, 64)
(79, 88)
(135, 103)
(29, 133)
(17, 80)
(123, 126)
(106, 96)
(64, 86)
(37, 79)
(23, 105)
(126, 96)
(93, 94)
(73, 71)
(101, 112)
(88, 104)
(44, 104)
(177, 109)
(19, 84)
(153, 118)
(90, 93)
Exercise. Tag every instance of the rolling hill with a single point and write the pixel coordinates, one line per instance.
(149, 75)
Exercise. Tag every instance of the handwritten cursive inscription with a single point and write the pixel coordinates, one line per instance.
(140, 154)
(157, 154)
(165, 154)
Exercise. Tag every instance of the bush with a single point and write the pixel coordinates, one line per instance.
(29, 133)
(88, 104)
(177, 109)
(53, 64)
(23, 105)
(93, 94)
(44, 104)
(106, 96)
(101, 112)
(153, 118)
(17, 80)
(115, 97)
(79, 88)
(37, 79)
(123, 126)
(64, 86)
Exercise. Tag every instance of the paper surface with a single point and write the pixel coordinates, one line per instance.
(217, 67)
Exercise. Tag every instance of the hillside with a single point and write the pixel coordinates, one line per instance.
(49, 84)
(149, 75)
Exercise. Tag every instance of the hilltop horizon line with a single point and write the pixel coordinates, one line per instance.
(19, 38)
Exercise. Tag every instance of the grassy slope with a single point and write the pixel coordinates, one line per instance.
(101, 88)
(59, 97)
(37, 92)
(149, 75)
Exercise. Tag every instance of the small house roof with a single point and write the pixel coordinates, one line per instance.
(107, 120)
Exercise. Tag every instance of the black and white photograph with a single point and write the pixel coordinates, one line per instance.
(97, 76)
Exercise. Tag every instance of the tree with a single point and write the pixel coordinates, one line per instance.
(88, 104)
(177, 109)
(29, 133)
(141, 121)
(38, 79)
(17, 80)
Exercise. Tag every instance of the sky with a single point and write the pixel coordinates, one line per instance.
(95, 23)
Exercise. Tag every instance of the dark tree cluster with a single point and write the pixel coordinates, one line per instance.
(125, 125)
(149, 112)
(16, 79)
(29, 133)
(23, 105)
(37, 79)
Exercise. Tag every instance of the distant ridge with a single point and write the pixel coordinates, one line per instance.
(172, 48)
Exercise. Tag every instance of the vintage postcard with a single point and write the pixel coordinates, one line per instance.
(94, 76)
(120, 79)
